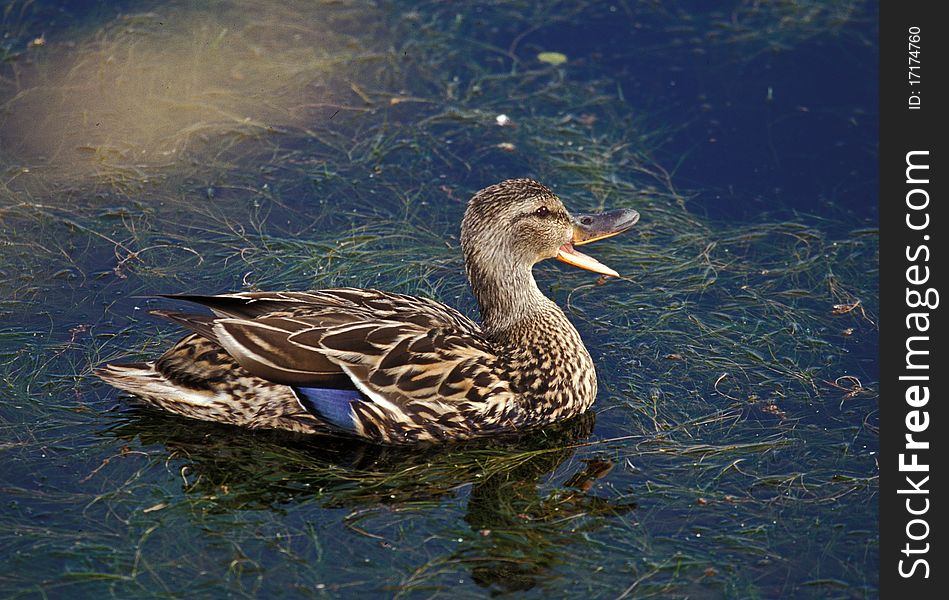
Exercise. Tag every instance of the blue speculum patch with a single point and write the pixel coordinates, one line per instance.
(331, 405)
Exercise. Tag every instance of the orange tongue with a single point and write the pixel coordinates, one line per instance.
(569, 255)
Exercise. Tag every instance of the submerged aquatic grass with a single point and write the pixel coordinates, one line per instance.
(327, 144)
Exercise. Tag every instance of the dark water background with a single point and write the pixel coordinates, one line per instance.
(169, 147)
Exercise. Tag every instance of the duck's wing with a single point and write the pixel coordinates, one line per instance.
(416, 383)
(419, 365)
(336, 306)
(256, 327)
(261, 345)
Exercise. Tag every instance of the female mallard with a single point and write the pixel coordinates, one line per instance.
(392, 368)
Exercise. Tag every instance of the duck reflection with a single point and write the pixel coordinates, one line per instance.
(520, 517)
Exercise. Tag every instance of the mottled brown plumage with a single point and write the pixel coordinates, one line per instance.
(393, 368)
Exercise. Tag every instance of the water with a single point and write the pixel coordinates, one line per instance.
(172, 148)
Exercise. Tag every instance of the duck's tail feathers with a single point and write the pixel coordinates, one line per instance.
(254, 403)
(142, 379)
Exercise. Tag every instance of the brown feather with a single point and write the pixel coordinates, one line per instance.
(263, 350)
(203, 325)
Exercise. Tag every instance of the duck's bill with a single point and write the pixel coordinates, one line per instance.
(569, 255)
(590, 228)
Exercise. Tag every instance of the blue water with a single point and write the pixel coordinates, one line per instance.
(753, 129)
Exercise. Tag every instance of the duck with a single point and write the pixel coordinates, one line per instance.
(391, 368)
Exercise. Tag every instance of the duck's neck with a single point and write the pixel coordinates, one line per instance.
(508, 297)
(543, 358)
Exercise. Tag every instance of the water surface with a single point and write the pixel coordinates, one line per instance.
(173, 147)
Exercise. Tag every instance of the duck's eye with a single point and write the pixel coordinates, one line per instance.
(542, 212)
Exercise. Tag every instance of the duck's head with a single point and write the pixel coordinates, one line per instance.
(519, 222)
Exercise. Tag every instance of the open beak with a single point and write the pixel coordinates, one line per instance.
(590, 228)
